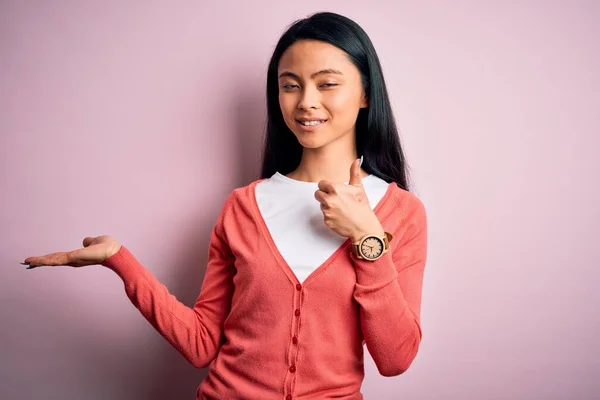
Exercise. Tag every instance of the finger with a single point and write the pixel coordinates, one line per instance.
(53, 259)
(87, 241)
(322, 198)
(326, 207)
(355, 178)
(327, 186)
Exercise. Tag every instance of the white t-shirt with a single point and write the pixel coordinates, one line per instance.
(295, 220)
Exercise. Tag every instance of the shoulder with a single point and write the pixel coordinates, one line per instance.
(410, 207)
(237, 208)
(241, 196)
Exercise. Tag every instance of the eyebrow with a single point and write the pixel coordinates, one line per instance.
(321, 72)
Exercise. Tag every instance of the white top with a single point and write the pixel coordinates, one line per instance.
(295, 221)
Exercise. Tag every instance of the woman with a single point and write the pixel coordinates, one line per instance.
(321, 255)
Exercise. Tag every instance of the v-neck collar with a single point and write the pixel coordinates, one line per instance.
(275, 251)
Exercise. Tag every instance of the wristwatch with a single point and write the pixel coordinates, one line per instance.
(371, 247)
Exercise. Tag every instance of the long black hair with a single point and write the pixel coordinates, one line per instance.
(376, 132)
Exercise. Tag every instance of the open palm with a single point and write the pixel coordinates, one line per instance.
(95, 250)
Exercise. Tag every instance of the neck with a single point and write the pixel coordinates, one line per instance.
(332, 164)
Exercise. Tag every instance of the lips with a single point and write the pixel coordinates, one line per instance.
(311, 122)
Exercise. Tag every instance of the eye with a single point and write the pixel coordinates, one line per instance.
(288, 86)
(328, 85)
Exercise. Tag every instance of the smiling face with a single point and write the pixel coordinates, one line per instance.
(320, 93)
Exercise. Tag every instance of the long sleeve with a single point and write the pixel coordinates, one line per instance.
(388, 291)
(195, 332)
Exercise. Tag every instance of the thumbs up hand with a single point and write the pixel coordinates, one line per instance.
(346, 209)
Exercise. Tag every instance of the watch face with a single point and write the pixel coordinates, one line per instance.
(371, 247)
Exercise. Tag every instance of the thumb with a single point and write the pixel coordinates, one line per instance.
(355, 178)
(87, 241)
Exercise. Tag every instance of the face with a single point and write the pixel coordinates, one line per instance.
(371, 248)
(320, 93)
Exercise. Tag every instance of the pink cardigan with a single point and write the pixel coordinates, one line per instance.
(266, 336)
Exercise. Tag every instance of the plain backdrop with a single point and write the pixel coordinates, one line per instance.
(137, 118)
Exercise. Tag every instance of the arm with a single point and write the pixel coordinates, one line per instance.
(388, 291)
(195, 332)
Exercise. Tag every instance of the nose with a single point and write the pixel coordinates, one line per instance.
(309, 99)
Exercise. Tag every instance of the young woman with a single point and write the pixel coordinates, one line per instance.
(321, 255)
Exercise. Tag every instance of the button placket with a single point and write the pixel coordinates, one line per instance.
(293, 347)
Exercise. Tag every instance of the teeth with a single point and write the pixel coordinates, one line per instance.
(311, 123)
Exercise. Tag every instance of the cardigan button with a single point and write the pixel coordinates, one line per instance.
(295, 340)
(292, 369)
(297, 312)
(298, 287)
(288, 397)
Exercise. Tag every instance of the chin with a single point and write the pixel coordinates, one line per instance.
(310, 142)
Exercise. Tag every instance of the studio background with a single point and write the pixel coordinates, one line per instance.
(136, 119)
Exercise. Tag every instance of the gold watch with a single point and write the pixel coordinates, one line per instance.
(371, 247)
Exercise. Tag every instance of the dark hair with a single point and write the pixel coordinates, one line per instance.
(376, 132)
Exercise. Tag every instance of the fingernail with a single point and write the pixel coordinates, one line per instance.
(361, 161)
(34, 266)
(24, 263)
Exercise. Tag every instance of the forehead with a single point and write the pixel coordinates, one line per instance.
(307, 56)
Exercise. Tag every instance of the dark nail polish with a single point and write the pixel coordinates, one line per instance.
(25, 263)
(33, 266)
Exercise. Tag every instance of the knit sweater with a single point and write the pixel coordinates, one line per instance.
(264, 335)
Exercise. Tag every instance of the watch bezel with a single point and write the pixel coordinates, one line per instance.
(363, 240)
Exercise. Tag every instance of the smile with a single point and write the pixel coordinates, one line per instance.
(312, 123)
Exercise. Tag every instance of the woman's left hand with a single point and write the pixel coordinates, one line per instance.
(346, 208)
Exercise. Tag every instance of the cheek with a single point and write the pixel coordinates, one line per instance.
(343, 107)
(287, 104)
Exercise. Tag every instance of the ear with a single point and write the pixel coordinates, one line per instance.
(364, 101)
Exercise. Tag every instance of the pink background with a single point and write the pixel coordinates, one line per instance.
(136, 119)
